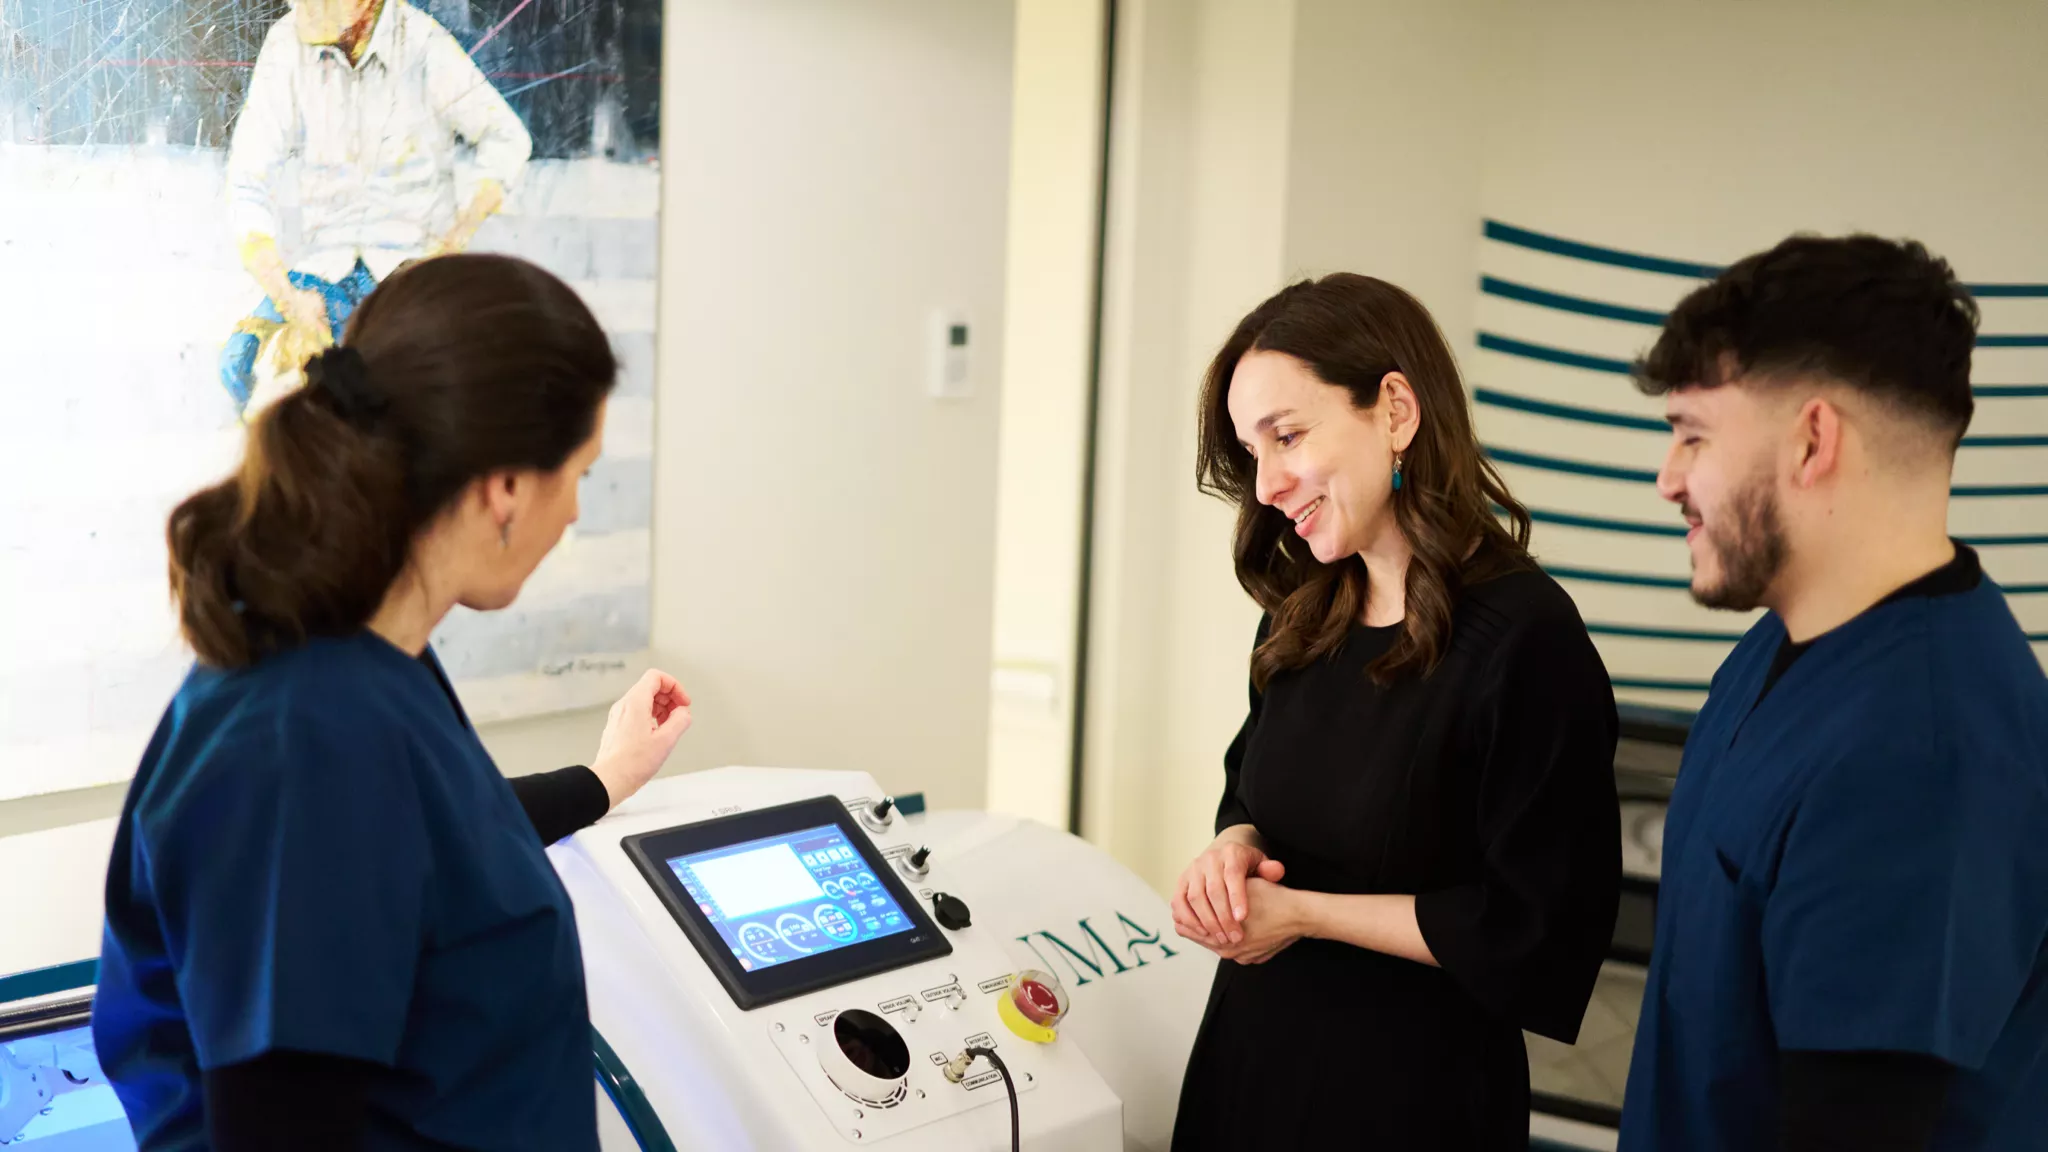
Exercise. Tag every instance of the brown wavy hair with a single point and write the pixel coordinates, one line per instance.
(1351, 331)
(452, 369)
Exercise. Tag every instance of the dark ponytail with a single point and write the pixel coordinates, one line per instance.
(451, 370)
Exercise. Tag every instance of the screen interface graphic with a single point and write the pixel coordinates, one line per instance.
(53, 1096)
(784, 897)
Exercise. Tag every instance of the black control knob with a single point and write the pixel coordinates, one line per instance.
(918, 857)
(876, 815)
(950, 911)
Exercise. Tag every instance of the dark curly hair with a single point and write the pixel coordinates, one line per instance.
(1885, 317)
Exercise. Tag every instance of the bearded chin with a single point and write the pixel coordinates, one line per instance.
(1749, 549)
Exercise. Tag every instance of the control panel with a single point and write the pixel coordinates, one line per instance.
(878, 1067)
(755, 937)
(839, 948)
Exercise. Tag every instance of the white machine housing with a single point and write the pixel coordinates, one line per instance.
(724, 1078)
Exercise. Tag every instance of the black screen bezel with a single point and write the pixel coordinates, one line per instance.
(651, 852)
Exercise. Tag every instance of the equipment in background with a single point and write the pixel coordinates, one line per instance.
(53, 1097)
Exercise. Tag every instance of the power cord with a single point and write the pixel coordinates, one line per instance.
(956, 1071)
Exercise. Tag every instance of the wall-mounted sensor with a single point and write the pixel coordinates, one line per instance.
(949, 370)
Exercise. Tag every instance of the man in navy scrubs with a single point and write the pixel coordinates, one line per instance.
(1852, 928)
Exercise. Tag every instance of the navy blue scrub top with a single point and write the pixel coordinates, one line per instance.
(1858, 861)
(317, 855)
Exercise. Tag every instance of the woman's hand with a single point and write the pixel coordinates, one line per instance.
(1279, 917)
(642, 730)
(1209, 901)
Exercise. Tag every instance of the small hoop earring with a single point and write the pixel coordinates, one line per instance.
(505, 534)
(1397, 471)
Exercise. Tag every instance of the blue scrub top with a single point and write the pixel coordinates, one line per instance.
(318, 855)
(1857, 862)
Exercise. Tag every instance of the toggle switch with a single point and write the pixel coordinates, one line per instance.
(951, 912)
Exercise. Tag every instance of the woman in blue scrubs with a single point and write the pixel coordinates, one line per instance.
(330, 922)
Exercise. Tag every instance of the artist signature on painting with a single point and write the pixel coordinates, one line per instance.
(583, 666)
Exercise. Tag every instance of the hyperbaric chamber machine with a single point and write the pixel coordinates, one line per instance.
(783, 959)
(775, 959)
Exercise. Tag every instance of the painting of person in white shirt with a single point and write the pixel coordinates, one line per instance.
(376, 101)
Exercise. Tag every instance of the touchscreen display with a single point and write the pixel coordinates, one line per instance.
(52, 1095)
(791, 895)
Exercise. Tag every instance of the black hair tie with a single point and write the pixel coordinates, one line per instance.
(340, 372)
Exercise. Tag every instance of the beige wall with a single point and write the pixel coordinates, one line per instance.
(1198, 188)
(1144, 263)
(1892, 115)
(1385, 155)
(1746, 123)
(823, 531)
(1048, 316)
(1262, 141)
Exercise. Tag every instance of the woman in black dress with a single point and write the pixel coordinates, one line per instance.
(1418, 851)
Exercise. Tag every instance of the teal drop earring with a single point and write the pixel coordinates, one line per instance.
(1397, 471)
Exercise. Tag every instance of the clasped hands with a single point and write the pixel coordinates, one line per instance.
(1230, 901)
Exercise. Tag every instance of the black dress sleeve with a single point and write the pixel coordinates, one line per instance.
(1232, 812)
(1526, 936)
(306, 1101)
(562, 802)
(1860, 1101)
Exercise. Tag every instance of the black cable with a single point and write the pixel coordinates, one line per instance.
(1016, 1144)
